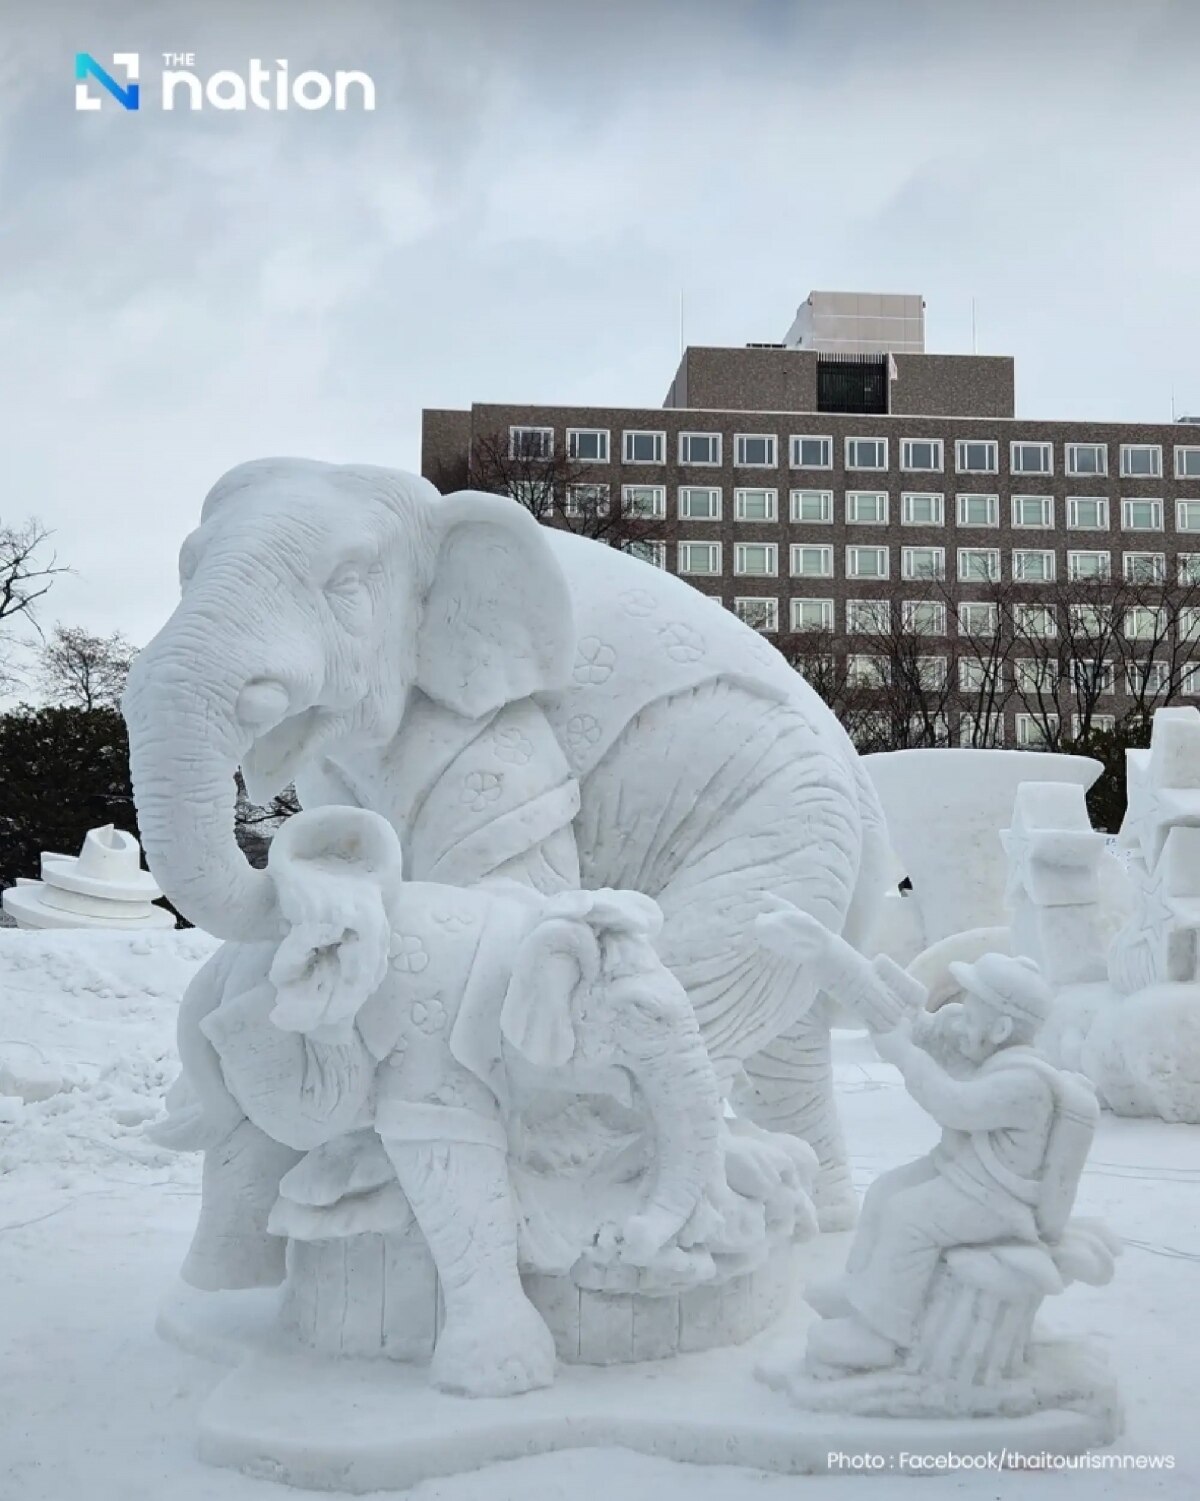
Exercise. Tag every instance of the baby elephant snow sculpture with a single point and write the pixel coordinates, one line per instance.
(389, 1046)
(955, 1252)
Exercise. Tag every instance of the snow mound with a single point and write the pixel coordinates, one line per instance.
(87, 1048)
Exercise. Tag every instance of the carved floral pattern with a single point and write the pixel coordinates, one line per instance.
(480, 788)
(594, 661)
(512, 746)
(409, 954)
(682, 642)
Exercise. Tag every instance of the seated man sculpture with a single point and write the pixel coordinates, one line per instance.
(955, 1251)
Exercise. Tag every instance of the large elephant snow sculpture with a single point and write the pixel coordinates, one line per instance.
(521, 704)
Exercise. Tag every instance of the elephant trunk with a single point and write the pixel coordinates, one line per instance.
(184, 748)
(678, 1083)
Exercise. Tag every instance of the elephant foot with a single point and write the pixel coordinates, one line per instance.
(835, 1200)
(495, 1351)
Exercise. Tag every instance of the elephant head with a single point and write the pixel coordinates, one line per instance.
(588, 987)
(315, 599)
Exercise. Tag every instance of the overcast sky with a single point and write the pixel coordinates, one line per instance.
(539, 183)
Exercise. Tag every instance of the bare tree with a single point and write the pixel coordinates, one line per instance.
(28, 568)
(556, 489)
(87, 671)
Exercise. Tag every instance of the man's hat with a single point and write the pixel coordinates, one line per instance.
(1013, 986)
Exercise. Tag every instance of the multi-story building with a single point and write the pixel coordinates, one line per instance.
(798, 483)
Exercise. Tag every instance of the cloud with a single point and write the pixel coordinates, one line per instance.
(540, 182)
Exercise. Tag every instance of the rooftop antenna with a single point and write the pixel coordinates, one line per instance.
(681, 323)
(974, 338)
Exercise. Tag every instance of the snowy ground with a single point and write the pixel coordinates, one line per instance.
(94, 1221)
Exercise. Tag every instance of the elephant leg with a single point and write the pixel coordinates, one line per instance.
(789, 1087)
(453, 1167)
(232, 1247)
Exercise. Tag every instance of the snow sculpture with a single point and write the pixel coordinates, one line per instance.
(959, 882)
(104, 886)
(955, 1252)
(397, 1047)
(520, 704)
(1054, 859)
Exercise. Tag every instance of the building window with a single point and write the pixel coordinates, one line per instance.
(921, 455)
(812, 614)
(1087, 458)
(761, 614)
(756, 559)
(646, 501)
(530, 442)
(700, 558)
(866, 453)
(922, 562)
(754, 450)
(921, 509)
(1091, 621)
(1033, 511)
(1034, 730)
(1088, 565)
(1144, 567)
(812, 562)
(1098, 724)
(867, 507)
(866, 562)
(1032, 566)
(700, 448)
(977, 618)
(1141, 515)
(1189, 567)
(983, 729)
(812, 505)
(806, 452)
(1031, 458)
(866, 615)
(977, 564)
(1146, 679)
(974, 674)
(1035, 622)
(1093, 678)
(866, 671)
(699, 503)
(754, 505)
(1144, 623)
(978, 510)
(644, 447)
(1187, 461)
(976, 456)
(1087, 513)
(586, 500)
(1187, 515)
(930, 673)
(1141, 460)
(924, 617)
(649, 552)
(588, 444)
(1036, 675)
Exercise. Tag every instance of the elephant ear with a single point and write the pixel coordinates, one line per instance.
(559, 959)
(497, 622)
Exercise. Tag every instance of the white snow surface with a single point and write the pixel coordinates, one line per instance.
(94, 1221)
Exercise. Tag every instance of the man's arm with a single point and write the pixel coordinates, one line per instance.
(979, 1104)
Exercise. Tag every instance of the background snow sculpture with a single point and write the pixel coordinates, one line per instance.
(497, 691)
(955, 1252)
(104, 886)
(945, 809)
(1054, 862)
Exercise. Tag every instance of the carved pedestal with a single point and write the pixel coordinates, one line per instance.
(377, 1295)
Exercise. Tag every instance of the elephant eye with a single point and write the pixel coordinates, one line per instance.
(344, 581)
